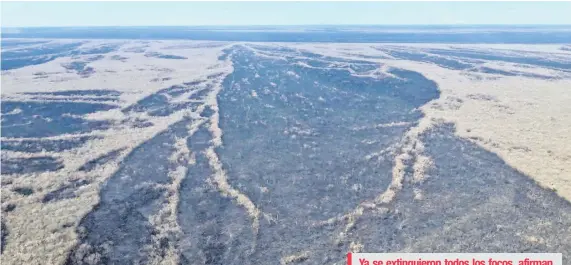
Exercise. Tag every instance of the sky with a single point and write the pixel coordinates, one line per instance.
(43, 14)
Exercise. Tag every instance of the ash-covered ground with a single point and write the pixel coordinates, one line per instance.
(188, 152)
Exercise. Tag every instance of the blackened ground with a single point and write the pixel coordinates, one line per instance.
(118, 228)
(41, 119)
(80, 68)
(3, 233)
(158, 104)
(30, 165)
(297, 148)
(103, 49)
(216, 231)
(24, 191)
(489, 70)
(423, 57)
(295, 143)
(165, 56)
(66, 191)
(472, 201)
(35, 146)
(87, 92)
(532, 60)
(34, 55)
(92, 164)
(47, 51)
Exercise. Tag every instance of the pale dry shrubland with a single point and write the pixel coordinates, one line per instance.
(524, 120)
(528, 125)
(527, 122)
(295, 258)
(43, 233)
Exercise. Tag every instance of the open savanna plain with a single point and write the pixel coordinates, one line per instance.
(201, 152)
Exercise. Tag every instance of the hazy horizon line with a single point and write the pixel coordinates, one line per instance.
(288, 25)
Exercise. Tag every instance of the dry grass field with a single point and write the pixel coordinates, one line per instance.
(195, 152)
